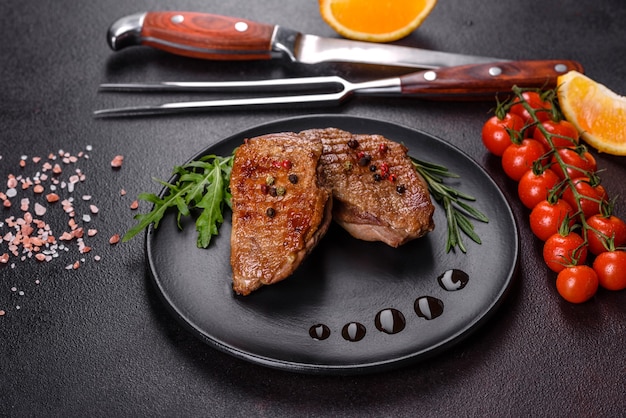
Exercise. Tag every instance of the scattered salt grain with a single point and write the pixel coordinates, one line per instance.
(117, 161)
(114, 239)
(40, 210)
(134, 205)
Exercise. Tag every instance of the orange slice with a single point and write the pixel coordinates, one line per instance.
(377, 20)
(597, 112)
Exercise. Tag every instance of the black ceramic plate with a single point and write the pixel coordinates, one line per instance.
(352, 306)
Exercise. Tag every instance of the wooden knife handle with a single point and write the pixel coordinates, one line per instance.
(485, 80)
(197, 35)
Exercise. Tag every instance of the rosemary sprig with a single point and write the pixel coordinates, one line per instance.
(201, 184)
(459, 213)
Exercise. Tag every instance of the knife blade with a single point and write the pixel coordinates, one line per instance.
(215, 37)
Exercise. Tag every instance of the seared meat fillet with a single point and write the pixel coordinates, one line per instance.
(280, 209)
(378, 195)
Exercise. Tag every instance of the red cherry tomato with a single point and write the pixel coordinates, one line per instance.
(534, 188)
(577, 284)
(561, 251)
(562, 134)
(603, 228)
(577, 165)
(519, 158)
(589, 196)
(495, 133)
(542, 109)
(546, 218)
(610, 266)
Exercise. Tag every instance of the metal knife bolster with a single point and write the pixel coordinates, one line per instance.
(126, 31)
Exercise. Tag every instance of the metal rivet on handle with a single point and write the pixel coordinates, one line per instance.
(178, 19)
(560, 68)
(495, 71)
(430, 76)
(241, 26)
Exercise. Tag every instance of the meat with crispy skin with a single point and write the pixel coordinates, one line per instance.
(280, 209)
(378, 195)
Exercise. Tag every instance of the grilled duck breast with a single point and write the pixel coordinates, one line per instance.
(280, 209)
(378, 195)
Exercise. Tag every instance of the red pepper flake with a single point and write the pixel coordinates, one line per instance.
(392, 177)
(382, 148)
(286, 164)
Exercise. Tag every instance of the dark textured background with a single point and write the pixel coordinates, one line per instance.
(97, 341)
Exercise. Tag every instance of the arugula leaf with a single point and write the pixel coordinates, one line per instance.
(200, 184)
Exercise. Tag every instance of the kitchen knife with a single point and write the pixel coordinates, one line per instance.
(214, 37)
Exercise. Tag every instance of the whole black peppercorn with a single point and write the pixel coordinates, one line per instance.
(373, 168)
(293, 178)
(377, 177)
(365, 160)
(271, 212)
(400, 189)
(353, 143)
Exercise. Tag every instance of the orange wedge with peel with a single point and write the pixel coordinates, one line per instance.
(375, 20)
(598, 113)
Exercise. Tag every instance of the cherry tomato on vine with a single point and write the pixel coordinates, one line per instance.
(543, 109)
(519, 158)
(578, 165)
(610, 266)
(589, 196)
(546, 218)
(495, 132)
(603, 228)
(561, 251)
(562, 133)
(534, 188)
(577, 284)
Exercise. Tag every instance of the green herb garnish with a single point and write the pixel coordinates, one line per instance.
(458, 212)
(201, 184)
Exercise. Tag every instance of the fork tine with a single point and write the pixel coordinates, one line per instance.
(185, 107)
(281, 84)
